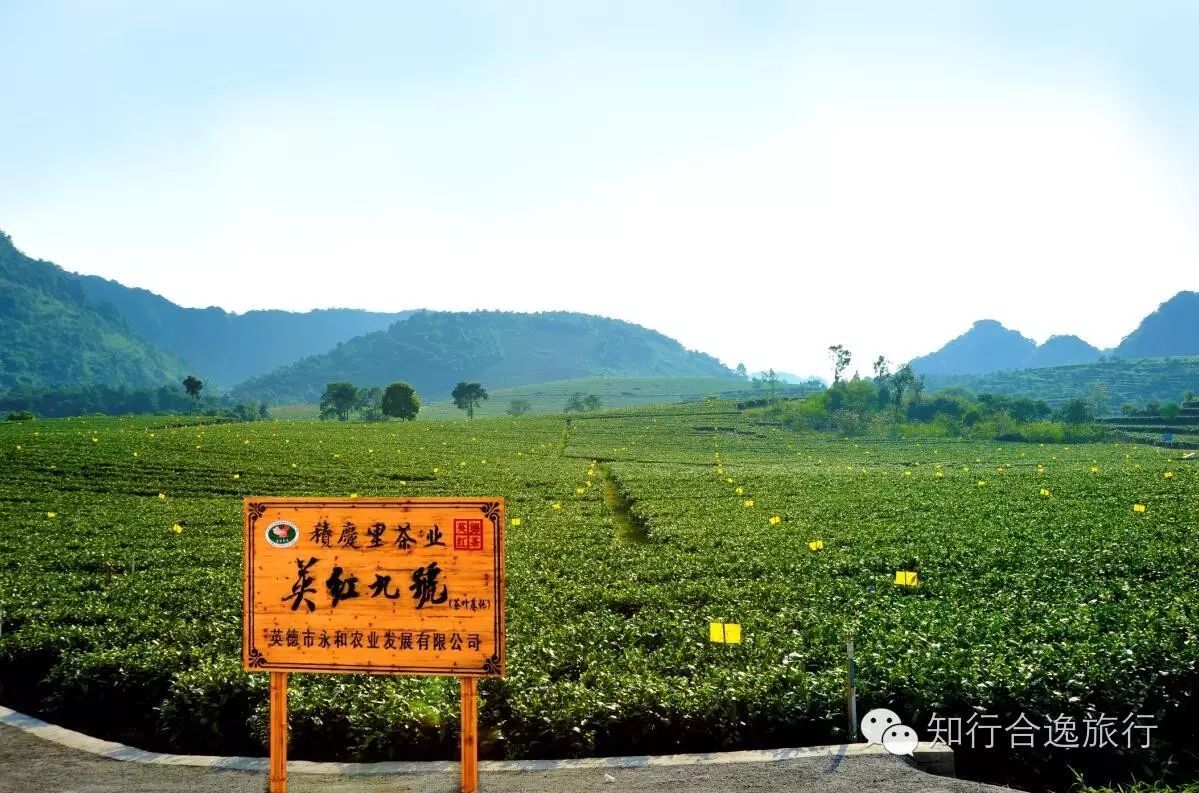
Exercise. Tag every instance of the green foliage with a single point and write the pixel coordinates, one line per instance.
(110, 400)
(193, 386)
(250, 411)
(841, 360)
(338, 400)
(583, 404)
(1077, 411)
(856, 407)
(369, 404)
(19, 415)
(467, 395)
(401, 402)
(519, 407)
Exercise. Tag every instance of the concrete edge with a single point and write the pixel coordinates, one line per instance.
(935, 758)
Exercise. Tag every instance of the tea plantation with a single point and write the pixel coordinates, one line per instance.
(1051, 580)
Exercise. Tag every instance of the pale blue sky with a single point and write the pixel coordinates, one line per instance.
(759, 180)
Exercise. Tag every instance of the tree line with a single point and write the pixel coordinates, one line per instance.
(895, 401)
(119, 400)
(398, 401)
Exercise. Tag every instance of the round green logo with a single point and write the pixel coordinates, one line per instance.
(282, 534)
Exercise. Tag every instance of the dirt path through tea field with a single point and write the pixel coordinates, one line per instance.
(32, 765)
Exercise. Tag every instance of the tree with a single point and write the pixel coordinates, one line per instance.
(1169, 410)
(338, 400)
(917, 388)
(741, 372)
(193, 385)
(1077, 411)
(370, 404)
(264, 412)
(882, 370)
(882, 375)
(841, 358)
(592, 402)
(401, 402)
(519, 407)
(1099, 399)
(575, 403)
(467, 396)
(901, 381)
(771, 381)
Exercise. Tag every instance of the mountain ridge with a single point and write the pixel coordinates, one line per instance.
(53, 334)
(226, 347)
(988, 346)
(432, 350)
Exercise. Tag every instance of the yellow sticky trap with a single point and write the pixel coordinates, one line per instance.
(816, 545)
(905, 578)
(1138, 507)
(716, 632)
(1045, 492)
(775, 520)
(725, 632)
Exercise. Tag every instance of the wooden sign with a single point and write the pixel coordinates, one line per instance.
(379, 586)
(382, 586)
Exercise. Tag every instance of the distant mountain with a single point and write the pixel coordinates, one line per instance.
(1171, 330)
(990, 347)
(226, 348)
(434, 350)
(1063, 351)
(987, 347)
(52, 333)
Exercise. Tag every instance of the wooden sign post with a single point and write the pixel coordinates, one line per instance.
(376, 586)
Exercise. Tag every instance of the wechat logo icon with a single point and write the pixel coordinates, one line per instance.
(883, 727)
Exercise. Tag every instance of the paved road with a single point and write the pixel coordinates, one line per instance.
(32, 765)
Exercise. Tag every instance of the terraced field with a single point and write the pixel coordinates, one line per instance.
(1182, 430)
(1042, 588)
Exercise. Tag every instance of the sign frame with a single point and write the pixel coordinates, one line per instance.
(491, 509)
(253, 660)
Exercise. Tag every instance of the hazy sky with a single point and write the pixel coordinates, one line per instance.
(758, 180)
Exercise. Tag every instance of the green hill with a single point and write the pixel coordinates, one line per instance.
(227, 348)
(52, 333)
(434, 350)
(1135, 381)
(615, 392)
